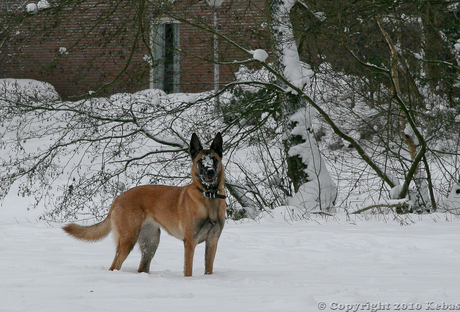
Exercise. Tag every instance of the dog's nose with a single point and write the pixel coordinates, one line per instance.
(210, 174)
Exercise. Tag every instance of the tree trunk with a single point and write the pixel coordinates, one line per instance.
(286, 59)
(306, 170)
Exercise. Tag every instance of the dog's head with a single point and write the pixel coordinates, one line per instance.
(207, 163)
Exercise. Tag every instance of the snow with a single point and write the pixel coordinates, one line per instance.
(453, 200)
(457, 46)
(320, 16)
(296, 72)
(207, 161)
(215, 3)
(266, 265)
(12, 89)
(395, 191)
(63, 51)
(288, 4)
(43, 4)
(410, 132)
(320, 192)
(259, 54)
(31, 8)
(286, 260)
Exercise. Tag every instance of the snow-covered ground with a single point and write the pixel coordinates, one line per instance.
(265, 265)
(272, 264)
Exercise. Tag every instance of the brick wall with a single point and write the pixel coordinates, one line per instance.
(101, 44)
(241, 21)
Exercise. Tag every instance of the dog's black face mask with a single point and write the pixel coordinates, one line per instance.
(207, 162)
(208, 169)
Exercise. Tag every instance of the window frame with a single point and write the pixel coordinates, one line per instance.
(158, 50)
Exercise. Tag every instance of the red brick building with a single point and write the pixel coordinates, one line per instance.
(111, 46)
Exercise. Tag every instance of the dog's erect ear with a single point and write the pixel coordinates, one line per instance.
(216, 145)
(195, 146)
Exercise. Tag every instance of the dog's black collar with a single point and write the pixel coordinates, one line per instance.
(212, 194)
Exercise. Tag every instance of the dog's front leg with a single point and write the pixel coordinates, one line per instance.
(189, 246)
(211, 248)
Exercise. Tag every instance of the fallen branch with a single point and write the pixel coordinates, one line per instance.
(399, 206)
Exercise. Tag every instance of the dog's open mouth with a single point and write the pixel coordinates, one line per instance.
(209, 179)
(209, 176)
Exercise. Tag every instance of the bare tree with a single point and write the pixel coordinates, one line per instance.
(372, 88)
(395, 68)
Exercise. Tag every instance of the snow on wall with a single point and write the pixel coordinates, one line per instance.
(12, 89)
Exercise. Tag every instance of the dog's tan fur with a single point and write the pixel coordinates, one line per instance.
(184, 212)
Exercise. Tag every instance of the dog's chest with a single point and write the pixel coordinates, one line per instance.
(211, 225)
(207, 228)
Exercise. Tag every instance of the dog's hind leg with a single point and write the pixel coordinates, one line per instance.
(149, 238)
(124, 247)
(126, 229)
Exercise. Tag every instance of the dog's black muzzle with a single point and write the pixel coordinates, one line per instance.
(209, 175)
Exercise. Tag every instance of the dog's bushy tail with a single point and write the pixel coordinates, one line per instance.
(90, 233)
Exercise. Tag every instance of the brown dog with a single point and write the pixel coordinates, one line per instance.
(194, 213)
